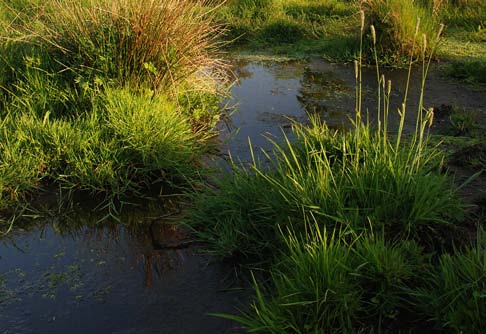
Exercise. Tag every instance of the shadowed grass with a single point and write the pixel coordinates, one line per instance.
(454, 297)
(323, 284)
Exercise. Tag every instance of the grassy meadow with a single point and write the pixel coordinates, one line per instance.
(355, 231)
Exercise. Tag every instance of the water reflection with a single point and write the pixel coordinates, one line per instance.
(143, 275)
(270, 95)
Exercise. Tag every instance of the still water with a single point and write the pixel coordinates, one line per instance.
(269, 96)
(114, 278)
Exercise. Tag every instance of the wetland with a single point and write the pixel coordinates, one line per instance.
(242, 166)
(144, 274)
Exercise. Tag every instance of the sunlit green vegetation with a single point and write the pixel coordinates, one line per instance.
(330, 28)
(297, 26)
(357, 180)
(114, 98)
(399, 26)
(357, 228)
(465, 39)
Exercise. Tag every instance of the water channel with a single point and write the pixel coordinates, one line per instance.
(69, 274)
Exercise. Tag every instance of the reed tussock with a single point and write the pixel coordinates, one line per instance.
(149, 43)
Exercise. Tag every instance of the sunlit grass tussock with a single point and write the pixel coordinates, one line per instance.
(124, 145)
(355, 225)
(356, 179)
(115, 98)
(396, 28)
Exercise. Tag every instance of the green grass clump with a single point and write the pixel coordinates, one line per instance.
(314, 289)
(114, 98)
(386, 270)
(455, 294)
(358, 179)
(123, 146)
(339, 282)
(155, 133)
(385, 199)
(389, 205)
(398, 30)
(129, 143)
(21, 169)
(323, 284)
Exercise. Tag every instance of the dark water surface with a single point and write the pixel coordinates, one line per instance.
(269, 95)
(111, 279)
(67, 275)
